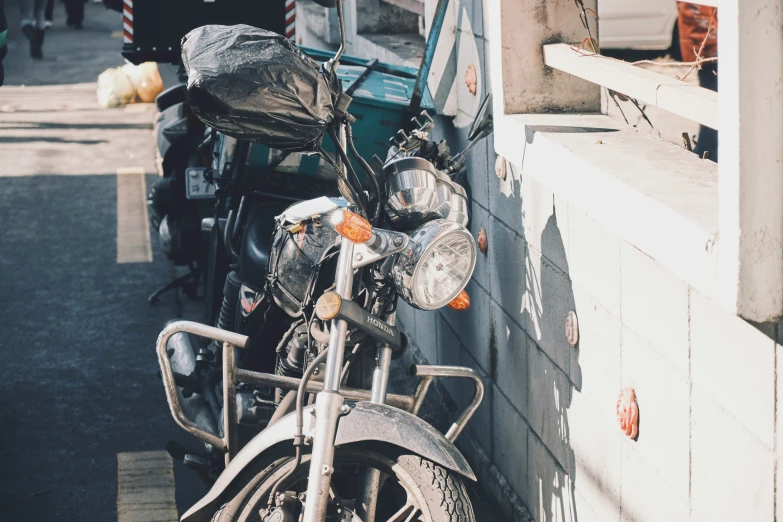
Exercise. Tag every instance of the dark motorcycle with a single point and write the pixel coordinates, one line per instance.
(327, 274)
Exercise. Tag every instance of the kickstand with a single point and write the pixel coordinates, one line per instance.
(187, 282)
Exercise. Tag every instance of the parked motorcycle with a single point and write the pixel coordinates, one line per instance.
(333, 273)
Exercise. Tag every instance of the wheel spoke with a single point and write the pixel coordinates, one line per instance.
(405, 514)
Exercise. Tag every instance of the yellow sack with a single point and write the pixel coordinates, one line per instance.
(115, 89)
(146, 80)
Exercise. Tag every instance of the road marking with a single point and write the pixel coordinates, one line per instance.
(133, 230)
(145, 490)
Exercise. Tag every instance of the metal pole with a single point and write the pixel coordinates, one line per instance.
(429, 55)
(367, 495)
(229, 402)
(403, 402)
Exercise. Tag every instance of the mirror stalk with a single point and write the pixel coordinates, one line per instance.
(335, 61)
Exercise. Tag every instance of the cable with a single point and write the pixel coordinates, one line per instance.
(370, 173)
(362, 202)
(325, 155)
(347, 367)
(287, 336)
(298, 442)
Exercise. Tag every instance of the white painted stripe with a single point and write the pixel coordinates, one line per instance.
(145, 487)
(133, 230)
(129, 3)
(125, 39)
(127, 14)
(290, 27)
(127, 27)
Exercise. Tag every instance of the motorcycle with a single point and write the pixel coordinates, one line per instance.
(336, 276)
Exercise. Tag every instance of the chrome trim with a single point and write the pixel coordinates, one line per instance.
(445, 190)
(403, 402)
(328, 402)
(459, 206)
(229, 338)
(422, 240)
(380, 246)
(412, 188)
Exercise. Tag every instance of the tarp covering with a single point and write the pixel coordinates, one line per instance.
(256, 85)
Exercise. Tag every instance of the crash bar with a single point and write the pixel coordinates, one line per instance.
(429, 372)
(410, 403)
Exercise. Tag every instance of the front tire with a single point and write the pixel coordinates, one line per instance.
(414, 489)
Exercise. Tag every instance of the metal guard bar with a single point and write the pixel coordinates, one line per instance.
(410, 403)
(168, 374)
(404, 402)
(427, 373)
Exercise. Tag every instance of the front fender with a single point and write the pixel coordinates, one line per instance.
(365, 422)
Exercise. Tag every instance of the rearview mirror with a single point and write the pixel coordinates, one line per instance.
(482, 125)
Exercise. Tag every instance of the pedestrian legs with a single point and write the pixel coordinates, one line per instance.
(49, 14)
(74, 9)
(33, 23)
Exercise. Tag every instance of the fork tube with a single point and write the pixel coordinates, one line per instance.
(367, 495)
(380, 376)
(329, 401)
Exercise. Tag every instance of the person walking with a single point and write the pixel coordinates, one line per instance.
(3, 39)
(33, 25)
(74, 11)
(49, 14)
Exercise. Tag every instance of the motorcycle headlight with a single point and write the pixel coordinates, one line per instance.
(412, 187)
(436, 266)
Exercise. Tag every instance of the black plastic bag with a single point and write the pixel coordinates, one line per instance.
(256, 85)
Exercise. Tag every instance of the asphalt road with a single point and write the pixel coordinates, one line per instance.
(78, 377)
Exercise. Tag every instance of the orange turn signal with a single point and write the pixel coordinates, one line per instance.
(328, 306)
(461, 302)
(351, 226)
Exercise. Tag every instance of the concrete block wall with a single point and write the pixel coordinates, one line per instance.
(546, 442)
(705, 380)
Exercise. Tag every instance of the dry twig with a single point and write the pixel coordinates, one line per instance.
(699, 58)
(675, 64)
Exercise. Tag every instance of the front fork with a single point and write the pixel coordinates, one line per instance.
(328, 405)
(329, 402)
(370, 479)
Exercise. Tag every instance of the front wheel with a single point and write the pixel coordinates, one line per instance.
(412, 489)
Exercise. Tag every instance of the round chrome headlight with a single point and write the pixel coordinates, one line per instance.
(452, 200)
(445, 191)
(436, 266)
(412, 187)
(458, 212)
